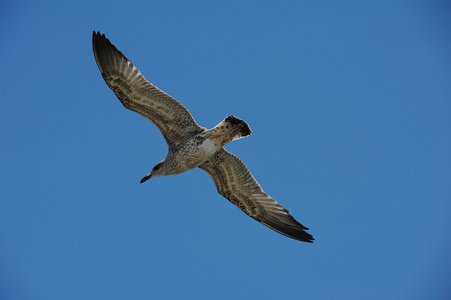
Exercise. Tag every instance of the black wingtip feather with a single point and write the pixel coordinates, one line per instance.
(104, 51)
(288, 227)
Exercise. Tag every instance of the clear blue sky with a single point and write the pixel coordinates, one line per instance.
(350, 104)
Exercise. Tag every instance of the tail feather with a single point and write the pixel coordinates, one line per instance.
(245, 129)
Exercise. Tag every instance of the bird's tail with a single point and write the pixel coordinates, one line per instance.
(233, 121)
(230, 129)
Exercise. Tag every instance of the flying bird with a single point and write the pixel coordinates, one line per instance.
(190, 145)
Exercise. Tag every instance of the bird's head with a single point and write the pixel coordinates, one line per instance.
(157, 171)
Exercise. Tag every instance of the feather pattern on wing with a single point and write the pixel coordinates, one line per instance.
(137, 94)
(235, 182)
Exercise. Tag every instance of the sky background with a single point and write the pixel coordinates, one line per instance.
(350, 107)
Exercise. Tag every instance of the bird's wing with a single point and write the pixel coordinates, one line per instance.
(235, 182)
(137, 94)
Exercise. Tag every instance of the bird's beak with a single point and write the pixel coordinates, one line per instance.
(148, 176)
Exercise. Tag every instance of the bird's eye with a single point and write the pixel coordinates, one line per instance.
(157, 166)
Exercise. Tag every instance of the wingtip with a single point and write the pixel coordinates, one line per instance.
(96, 34)
(310, 240)
(296, 233)
(308, 237)
(97, 37)
(305, 237)
(301, 236)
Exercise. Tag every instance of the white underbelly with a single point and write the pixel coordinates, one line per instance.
(209, 147)
(189, 158)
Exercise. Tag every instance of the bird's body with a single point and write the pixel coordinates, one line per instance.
(190, 145)
(196, 148)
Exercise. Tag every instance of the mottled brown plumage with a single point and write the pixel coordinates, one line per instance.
(137, 94)
(191, 145)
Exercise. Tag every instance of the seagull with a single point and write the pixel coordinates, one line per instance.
(192, 146)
